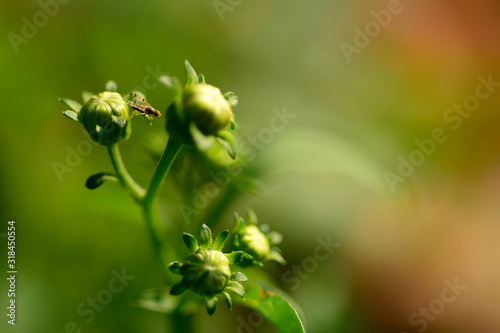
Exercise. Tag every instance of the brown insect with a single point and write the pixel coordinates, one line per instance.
(139, 104)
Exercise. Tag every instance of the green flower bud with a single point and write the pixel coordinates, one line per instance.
(205, 105)
(202, 105)
(260, 243)
(207, 272)
(254, 242)
(200, 115)
(106, 118)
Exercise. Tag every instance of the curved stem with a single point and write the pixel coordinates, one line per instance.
(149, 204)
(167, 159)
(126, 180)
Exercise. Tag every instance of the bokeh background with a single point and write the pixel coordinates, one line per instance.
(325, 172)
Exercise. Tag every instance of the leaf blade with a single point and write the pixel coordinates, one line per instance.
(273, 307)
(191, 76)
(74, 105)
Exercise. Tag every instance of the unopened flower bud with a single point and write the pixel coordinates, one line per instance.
(253, 241)
(106, 118)
(260, 243)
(207, 272)
(206, 106)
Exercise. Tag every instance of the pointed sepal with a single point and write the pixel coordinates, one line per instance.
(73, 105)
(190, 241)
(191, 76)
(175, 267)
(236, 288)
(72, 115)
(205, 237)
(212, 305)
(221, 240)
(229, 301)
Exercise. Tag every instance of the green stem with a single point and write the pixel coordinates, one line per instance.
(167, 159)
(182, 323)
(126, 180)
(149, 204)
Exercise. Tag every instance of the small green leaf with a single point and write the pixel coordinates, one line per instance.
(173, 83)
(238, 277)
(111, 86)
(252, 217)
(175, 267)
(74, 105)
(227, 141)
(212, 305)
(236, 288)
(98, 179)
(202, 141)
(235, 257)
(231, 98)
(236, 241)
(170, 82)
(190, 241)
(239, 222)
(71, 115)
(158, 300)
(220, 240)
(205, 237)
(179, 288)
(276, 256)
(228, 300)
(201, 79)
(274, 307)
(191, 76)
(86, 96)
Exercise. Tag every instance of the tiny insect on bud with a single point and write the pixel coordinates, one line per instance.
(139, 104)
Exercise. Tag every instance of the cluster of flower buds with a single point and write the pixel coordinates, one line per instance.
(207, 270)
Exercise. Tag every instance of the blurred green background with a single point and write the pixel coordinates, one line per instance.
(325, 172)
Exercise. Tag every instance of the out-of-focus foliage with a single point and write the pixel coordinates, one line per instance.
(320, 133)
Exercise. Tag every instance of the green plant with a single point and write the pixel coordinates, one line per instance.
(199, 122)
